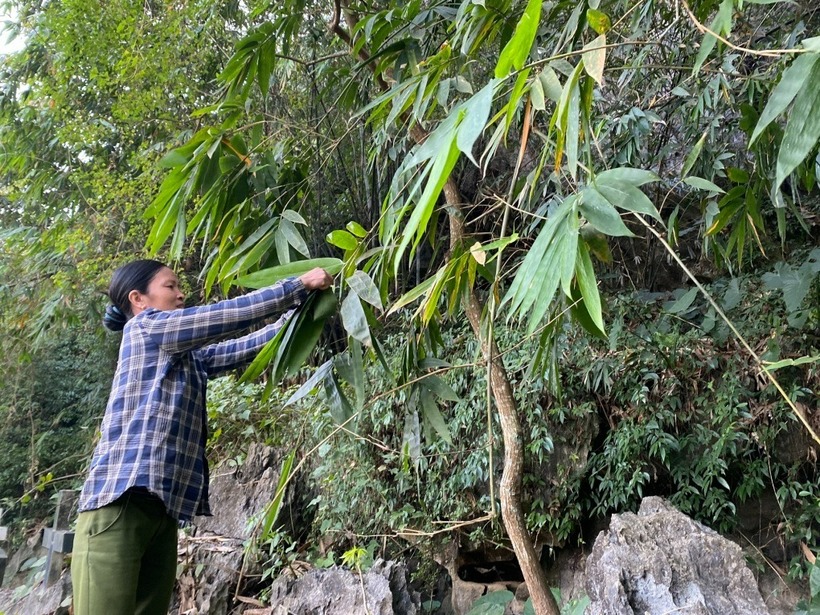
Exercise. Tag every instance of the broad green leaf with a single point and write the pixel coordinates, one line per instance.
(784, 92)
(594, 57)
(601, 214)
(627, 197)
(294, 237)
(517, 49)
(537, 94)
(354, 319)
(308, 326)
(356, 229)
(596, 243)
(342, 239)
(439, 388)
(683, 303)
(264, 356)
(636, 177)
(550, 83)
(598, 21)
(802, 130)
(340, 408)
(702, 184)
(476, 113)
(268, 277)
(434, 417)
(491, 602)
(588, 286)
(363, 285)
(289, 214)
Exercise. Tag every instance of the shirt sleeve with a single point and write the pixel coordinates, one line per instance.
(230, 354)
(177, 331)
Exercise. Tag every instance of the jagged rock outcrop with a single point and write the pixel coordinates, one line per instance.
(382, 590)
(661, 561)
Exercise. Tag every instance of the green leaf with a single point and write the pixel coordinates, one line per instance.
(442, 166)
(784, 92)
(356, 229)
(692, 156)
(268, 277)
(342, 239)
(627, 175)
(363, 285)
(272, 509)
(601, 214)
(537, 94)
(598, 21)
(311, 383)
(722, 25)
(573, 129)
(490, 603)
(517, 49)
(802, 130)
(594, 57)
(476, 113)
(433, 416)
(354, 319)
(790, 363)
(684, 302)
(627, 197)
(437, 386)
(585, 274)
(294, 237)
(702, 184)
(550, 83)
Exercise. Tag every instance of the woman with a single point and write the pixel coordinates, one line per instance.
(149, 470)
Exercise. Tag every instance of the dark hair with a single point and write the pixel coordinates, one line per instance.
(136, 275)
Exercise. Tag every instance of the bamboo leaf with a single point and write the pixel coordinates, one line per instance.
(311, 383)
(594, 57)
(476, 113)
(598, 21)
(268, 277)
(294, 237)
(702, 184)
(550, 84)
(784, 92)
(585, 274)
(354, 319)
(433, 416)
(442, 166)
(342, 239)
(517, 49)
(802, 130)
(692, 156)
(601, 214)
(721, 24)
(363, 285)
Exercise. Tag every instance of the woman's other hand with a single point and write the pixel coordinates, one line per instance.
(316, 279)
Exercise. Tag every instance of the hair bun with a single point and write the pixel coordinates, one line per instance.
(114, 319)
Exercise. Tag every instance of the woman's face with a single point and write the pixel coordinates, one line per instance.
(163, 293)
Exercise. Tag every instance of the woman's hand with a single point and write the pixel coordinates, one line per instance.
(316, 279)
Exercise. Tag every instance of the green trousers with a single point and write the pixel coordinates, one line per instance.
(124, 558)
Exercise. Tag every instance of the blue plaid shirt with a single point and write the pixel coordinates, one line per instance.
(155, 424)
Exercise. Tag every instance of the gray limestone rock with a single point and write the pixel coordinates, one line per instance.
(382, 590)
(661, 561)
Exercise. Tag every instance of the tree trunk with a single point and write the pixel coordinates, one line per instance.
(512, 514)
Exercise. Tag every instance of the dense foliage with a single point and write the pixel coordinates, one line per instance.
(537, 170)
